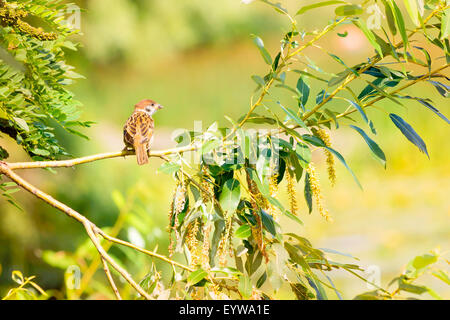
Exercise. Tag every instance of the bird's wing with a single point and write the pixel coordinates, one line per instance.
(139, 125)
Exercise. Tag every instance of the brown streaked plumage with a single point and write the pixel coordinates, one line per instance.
(138, 130)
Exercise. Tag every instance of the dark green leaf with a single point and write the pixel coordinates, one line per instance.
(409, 133)
(317, 5)
(196, 276)
(372, 145)
(349, 10)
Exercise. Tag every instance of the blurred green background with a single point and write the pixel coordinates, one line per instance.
(196, 57)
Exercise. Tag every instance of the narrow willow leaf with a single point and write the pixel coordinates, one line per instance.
(429, 106)
(169, 167)
(308, 193)
(304, 90)
(243, 232)
(349, 10)
(264, 53)
(245, 287)
(341, 76)
(258, 80)
(427, 56)
(276, 61)
(317, 5)
(441, 88)
(268, 222)
(369, 35)
(409, 133)
(332, 116)
(400, 23)
(360, 110)
(261, 280)
(196, 276)
(341, 158)
(294, 117)
(310, 75)
(445, 24)
(335, 57)
(321, 96)
(372, 145)
(413, 10)
(390, 17)
(383, 93)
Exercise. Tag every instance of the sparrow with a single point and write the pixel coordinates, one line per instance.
(138, 130)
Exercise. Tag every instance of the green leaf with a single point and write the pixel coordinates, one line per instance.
(41, 152)
(303, 90)
(230, 196)
(400, 23)
(341, 158)
(210, 145)
(308, 193)
(21, 123)
(317, 5)
(169, 167)
(390, 17)
(419, 264)
(243, 232)
(196, 276)
(369, 35)
(372, 145)
(268, 222)
(304, 154)
(445, 24)
(259, 80)
(349, 10)
(411, 7)
(294, 117)
(360, 110)
(409, 133)
(264, 53)
(245, 287)
(442, 275)
(261, 280)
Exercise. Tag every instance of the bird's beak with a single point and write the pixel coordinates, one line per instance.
(160, 107)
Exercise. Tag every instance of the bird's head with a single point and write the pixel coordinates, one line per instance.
(149, 106)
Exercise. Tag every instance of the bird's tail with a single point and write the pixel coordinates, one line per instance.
(141, 153)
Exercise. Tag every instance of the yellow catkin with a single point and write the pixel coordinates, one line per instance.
(330, 159)
(179, 199)
(273, 189)
(224, 242)
(292, 195)
(177, 205)
(206, 186)
(316, 191)
(206, 247)
(12, 17)
(257, 201)
(193, 244)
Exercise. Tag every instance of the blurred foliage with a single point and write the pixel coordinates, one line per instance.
(34, 78)
(166, 28)
(111, 42)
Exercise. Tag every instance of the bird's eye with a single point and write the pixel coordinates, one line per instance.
(153, 104)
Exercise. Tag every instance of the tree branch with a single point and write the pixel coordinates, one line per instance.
(95, 157)
(91, 229)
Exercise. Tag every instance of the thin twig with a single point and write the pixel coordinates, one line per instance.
(110, 279)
